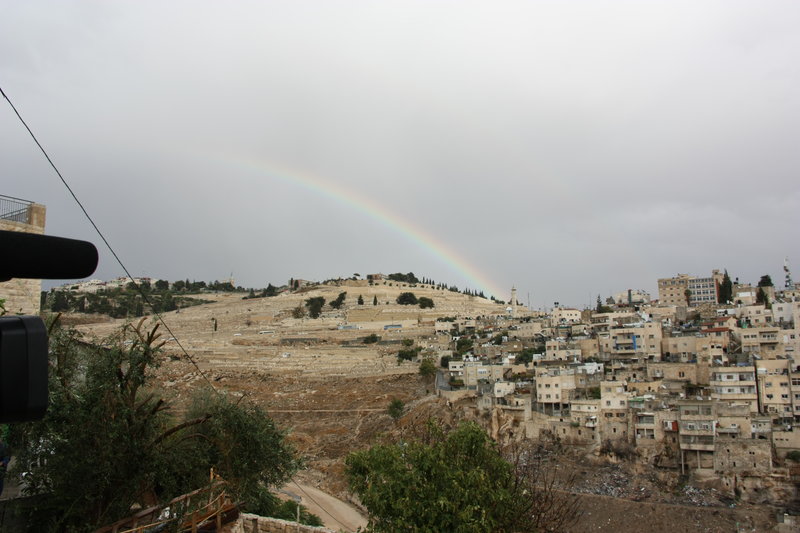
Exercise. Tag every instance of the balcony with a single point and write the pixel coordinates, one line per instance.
(15, 209)
(733, 383)
(697, 432)
(701, 443)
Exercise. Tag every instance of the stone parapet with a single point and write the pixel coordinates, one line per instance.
(250, 523)
(22, 296)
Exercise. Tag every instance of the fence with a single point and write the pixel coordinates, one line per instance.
(15, 209)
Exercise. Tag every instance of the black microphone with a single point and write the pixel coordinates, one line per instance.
(28, 255)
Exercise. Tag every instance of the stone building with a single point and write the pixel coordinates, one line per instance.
(22, 296)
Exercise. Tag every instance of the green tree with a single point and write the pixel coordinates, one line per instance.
(337, 303)
(407, 298)
(600, 308)
(396, 408)
(162, 285)
(360, 300)
(168, 302)
(408, 354)
(460, 481)
(763, 298)
(60, 302)
(375, 300)
(765, 281)
(405, 278)
(371, 339)
(271, 290)
(109, 439)
(725, 289)
(463, 345)
(525, 357)
(425, 302)
(314, 306)
(427, 368)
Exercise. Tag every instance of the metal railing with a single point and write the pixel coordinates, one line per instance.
(201, 510)
(15, 209)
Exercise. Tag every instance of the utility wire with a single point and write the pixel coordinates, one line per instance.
(317, 503)
(108, 245)
(124, 268)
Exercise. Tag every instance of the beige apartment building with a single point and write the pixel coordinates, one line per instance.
(672, 291)
(638, 342)
(560, 350)
(566, 315)
(22, 296)
(696, 423)
(764, 341)
(554, 390)
(786, 313)
(744, 293)
(613, 419)
(690, 291)
(735, 384)
(775, 388)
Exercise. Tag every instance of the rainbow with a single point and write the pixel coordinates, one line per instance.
(374, 211)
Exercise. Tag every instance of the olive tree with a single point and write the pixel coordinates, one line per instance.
(458, 481)
(111, 440)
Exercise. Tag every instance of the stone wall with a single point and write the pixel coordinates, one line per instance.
(250, 523)
(22, 296)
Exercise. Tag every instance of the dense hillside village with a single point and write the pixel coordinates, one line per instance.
(690, 385)
(708, 391)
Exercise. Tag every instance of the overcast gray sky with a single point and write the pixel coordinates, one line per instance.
(568, 148)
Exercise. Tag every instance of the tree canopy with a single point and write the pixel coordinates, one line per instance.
(425, 302)
(725, 289)
(407, 298)
(110, 439)
(337, 303)
(457, 481)
(407, 278)
(314, 306)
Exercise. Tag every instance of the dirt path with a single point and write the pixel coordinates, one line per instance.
(335, 513)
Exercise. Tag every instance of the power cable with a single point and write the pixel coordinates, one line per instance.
(108, 245)
(317, 503)
(138, 287)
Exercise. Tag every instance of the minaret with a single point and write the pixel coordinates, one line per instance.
(513, 301)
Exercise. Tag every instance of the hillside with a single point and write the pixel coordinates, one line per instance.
(331, 391)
